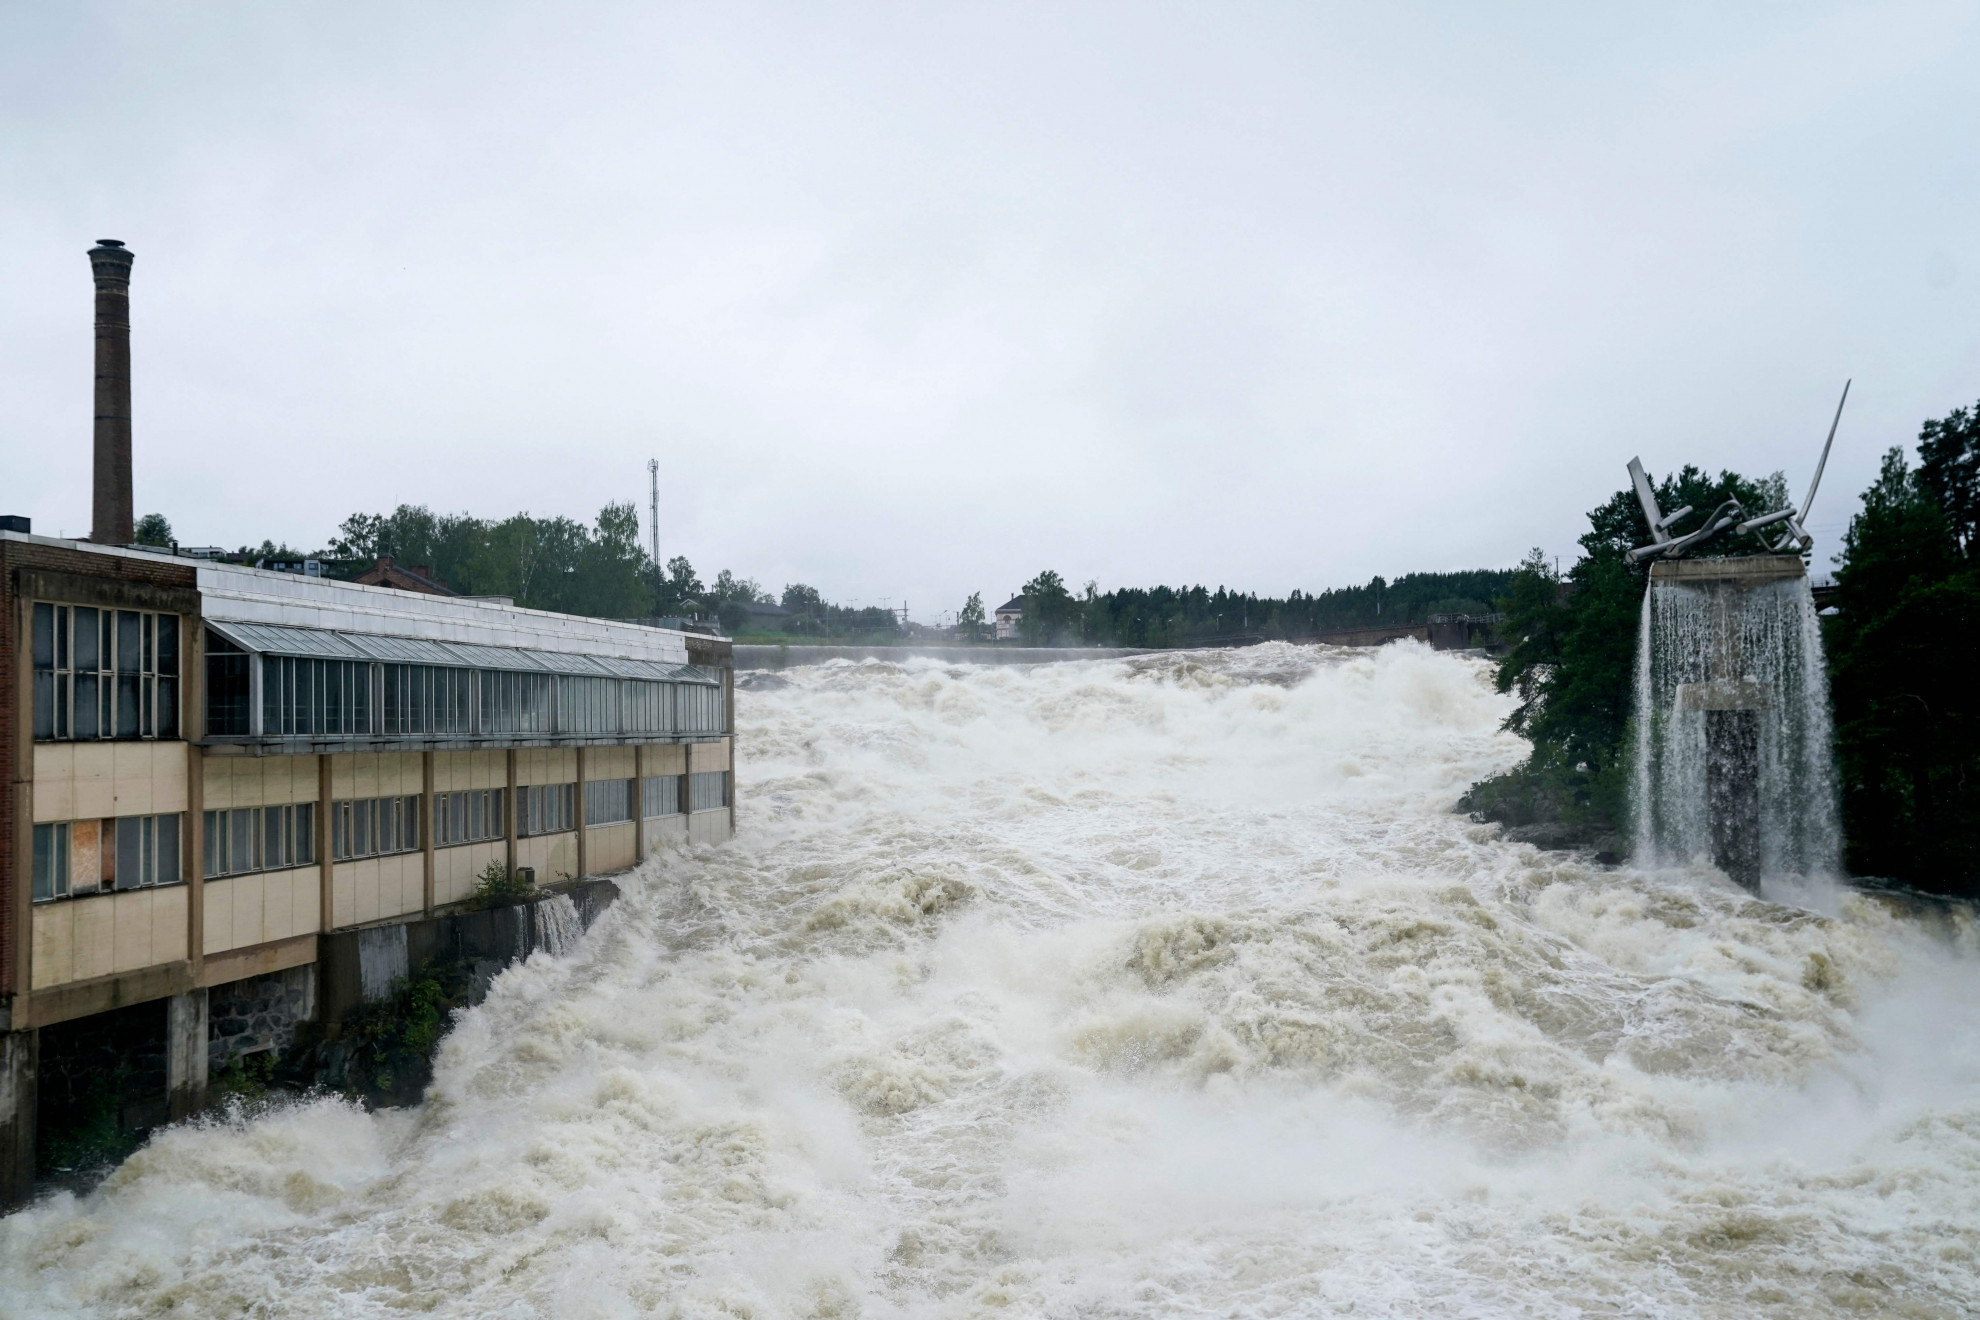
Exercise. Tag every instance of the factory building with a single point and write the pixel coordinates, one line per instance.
(213, 768)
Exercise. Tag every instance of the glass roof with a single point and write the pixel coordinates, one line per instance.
(329, 644)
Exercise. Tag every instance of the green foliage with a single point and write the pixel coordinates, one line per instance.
(1050, 617)
(1901, 648)
(542, 563)
(1194, 616)
(153, 529)
(85, 1133)
(498, 886)
(389, 1044)
(1949, 471)
(972, 624)
(247, 1076)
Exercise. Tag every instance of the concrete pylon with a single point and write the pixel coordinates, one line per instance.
(186, 1053)
(1731, 701)
(19, 1055)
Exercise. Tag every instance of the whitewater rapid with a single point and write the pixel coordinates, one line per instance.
(1160, 987)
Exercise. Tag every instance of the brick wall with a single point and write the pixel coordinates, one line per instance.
(16, 727)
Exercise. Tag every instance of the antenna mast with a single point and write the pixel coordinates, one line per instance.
(653, 521)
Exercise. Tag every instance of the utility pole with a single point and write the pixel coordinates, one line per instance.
(653, 471)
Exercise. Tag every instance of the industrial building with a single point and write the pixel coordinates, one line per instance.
(214, 768)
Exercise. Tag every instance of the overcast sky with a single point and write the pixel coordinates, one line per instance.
(915, 300)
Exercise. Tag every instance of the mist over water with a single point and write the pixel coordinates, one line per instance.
(1165, 987)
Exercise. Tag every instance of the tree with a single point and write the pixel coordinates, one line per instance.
(1050, 614)
(152, 529)
(1949, 471)
(679, 590)
(971, 625)
(807, 609)
(1901, 646)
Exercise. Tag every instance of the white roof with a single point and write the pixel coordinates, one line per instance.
(237, 593)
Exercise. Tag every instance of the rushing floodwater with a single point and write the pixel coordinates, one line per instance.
(1146, 988)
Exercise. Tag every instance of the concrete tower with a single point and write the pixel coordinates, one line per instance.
(110, 505)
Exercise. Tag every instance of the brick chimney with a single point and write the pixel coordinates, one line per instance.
(110, 504)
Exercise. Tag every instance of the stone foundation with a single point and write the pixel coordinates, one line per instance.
(259, 1013)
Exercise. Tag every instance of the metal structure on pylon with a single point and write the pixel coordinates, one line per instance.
(1783, 531)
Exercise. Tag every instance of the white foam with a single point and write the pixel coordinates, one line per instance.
(1155, 987)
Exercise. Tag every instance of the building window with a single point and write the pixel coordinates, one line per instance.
(373, 827)
(314, 698)
(649, 707)
(662, 795)
(702, 709)
(249, 839)
(228, 688)
(546, 808)
(427, 699)
(607, 801)
(104, 673)
(709, 789)
(587, 705)
(470, 816)
(51, 862)
(147, 851)
(516, 703)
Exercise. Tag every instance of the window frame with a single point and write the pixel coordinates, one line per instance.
(136, 651)
(468, 815)
(359, 826)
(218, 833)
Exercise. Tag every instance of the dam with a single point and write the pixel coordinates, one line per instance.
(1149, 986)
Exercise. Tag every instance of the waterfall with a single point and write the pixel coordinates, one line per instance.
(1734, 763)
(382, 961)
(558, 925)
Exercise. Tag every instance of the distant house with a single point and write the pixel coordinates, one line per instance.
(385, 573)
(1008, 616)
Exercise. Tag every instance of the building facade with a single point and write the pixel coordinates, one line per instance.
(211, 767)
(1008, 617)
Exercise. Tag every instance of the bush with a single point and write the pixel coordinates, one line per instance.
(498, 886)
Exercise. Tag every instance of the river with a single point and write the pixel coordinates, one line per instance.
(1167, 986)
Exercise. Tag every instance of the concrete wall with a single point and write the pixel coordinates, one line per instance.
(608, 763)
(456, 771)
(375, 774)
(668, 760)
(77, 939)
(457, 869)
(608, 848)
(664, 830)
(708, 827)
(554, 856)
(258, 781)
(78, 781)
(704, 757)
(546, 765)
(245, 910)
(373, 888)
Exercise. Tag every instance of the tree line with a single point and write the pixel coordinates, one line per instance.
(1164, 616)
(557, 564)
